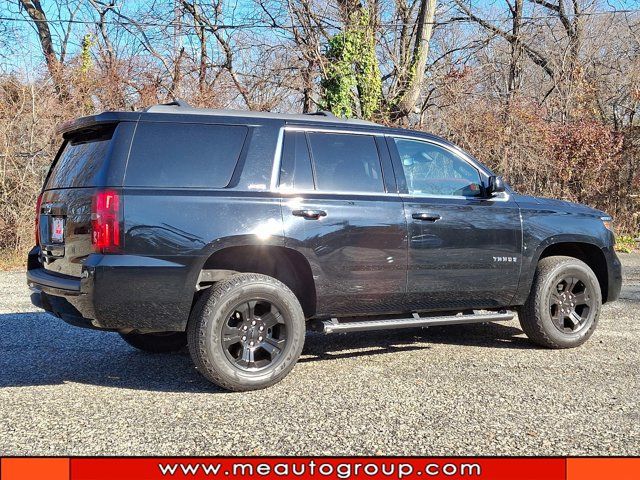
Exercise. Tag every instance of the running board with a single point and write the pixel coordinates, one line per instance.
(335, 326)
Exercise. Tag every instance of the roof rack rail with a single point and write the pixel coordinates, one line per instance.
(323, 113)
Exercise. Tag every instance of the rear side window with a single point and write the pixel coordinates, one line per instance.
(83, 160)
(184, 155)
(345, 162)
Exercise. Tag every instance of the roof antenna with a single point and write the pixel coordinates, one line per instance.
(323, 113)
(178, 102)
(174, 103)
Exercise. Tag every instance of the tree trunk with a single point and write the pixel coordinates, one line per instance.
(202, 70)
(516, 50)
(411, 79)
(307, 88)
(35, 11)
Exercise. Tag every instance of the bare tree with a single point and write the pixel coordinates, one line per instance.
(54, 63)
(307, 31)
(212, 23)
(515, 68)
(410, 74)
(537, 56)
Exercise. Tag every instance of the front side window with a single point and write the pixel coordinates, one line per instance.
(433, 170)
(345, 162)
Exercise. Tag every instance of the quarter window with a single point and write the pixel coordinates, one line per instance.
(184, 155)
(345, 162)
(295, 170)
(433, 170)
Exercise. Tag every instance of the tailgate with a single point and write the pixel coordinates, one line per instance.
(65, 229)
(81, 169)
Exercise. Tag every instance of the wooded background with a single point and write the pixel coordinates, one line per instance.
(545, 92)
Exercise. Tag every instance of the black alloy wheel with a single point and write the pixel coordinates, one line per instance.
(564, 305)
(246, 332)
(254, 335)
(570, 304)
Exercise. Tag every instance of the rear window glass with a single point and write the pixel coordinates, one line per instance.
(184, 155)
(82, 160)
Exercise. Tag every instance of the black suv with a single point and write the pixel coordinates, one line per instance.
(234, 231)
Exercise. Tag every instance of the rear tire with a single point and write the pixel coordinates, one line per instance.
(564, 305)
(246, 332)
(162, 342)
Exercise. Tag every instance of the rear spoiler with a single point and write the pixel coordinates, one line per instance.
(86, 123)
(111, 117)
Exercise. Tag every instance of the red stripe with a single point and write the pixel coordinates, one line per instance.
(325, 468)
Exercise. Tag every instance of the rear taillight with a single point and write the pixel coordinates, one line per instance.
(38, 207)
(105, 221)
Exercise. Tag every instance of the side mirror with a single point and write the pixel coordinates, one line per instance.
(496, 185)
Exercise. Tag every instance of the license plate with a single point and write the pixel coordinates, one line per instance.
(57, 230)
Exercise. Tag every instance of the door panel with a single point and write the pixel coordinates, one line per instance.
(469, 258)
(357, 251)
(464, 248)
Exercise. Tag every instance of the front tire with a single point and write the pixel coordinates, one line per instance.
(162, 342)
(564, 305)
(246, 332)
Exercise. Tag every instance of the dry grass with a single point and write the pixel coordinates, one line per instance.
(12, 260)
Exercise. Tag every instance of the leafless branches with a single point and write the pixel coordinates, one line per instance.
(538, 89)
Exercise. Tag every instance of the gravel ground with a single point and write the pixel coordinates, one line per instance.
(458, 390)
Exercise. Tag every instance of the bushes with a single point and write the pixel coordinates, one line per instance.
(587, 155)
(27, 120)
(583, 161)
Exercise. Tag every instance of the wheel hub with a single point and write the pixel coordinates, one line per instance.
(254, 335)
(254, 332)
(570, 304)
(567, 302)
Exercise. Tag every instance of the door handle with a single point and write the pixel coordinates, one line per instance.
(310, 214)
(426, 217)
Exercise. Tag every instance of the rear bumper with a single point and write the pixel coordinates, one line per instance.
(43, 278)
(61, 307)
(62, 296)
(116, 292)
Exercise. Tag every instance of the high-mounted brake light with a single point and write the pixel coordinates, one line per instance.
(105, 221)
(37, 230)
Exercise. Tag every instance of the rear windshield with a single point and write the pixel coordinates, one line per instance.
(82, 161)
(186, 155)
